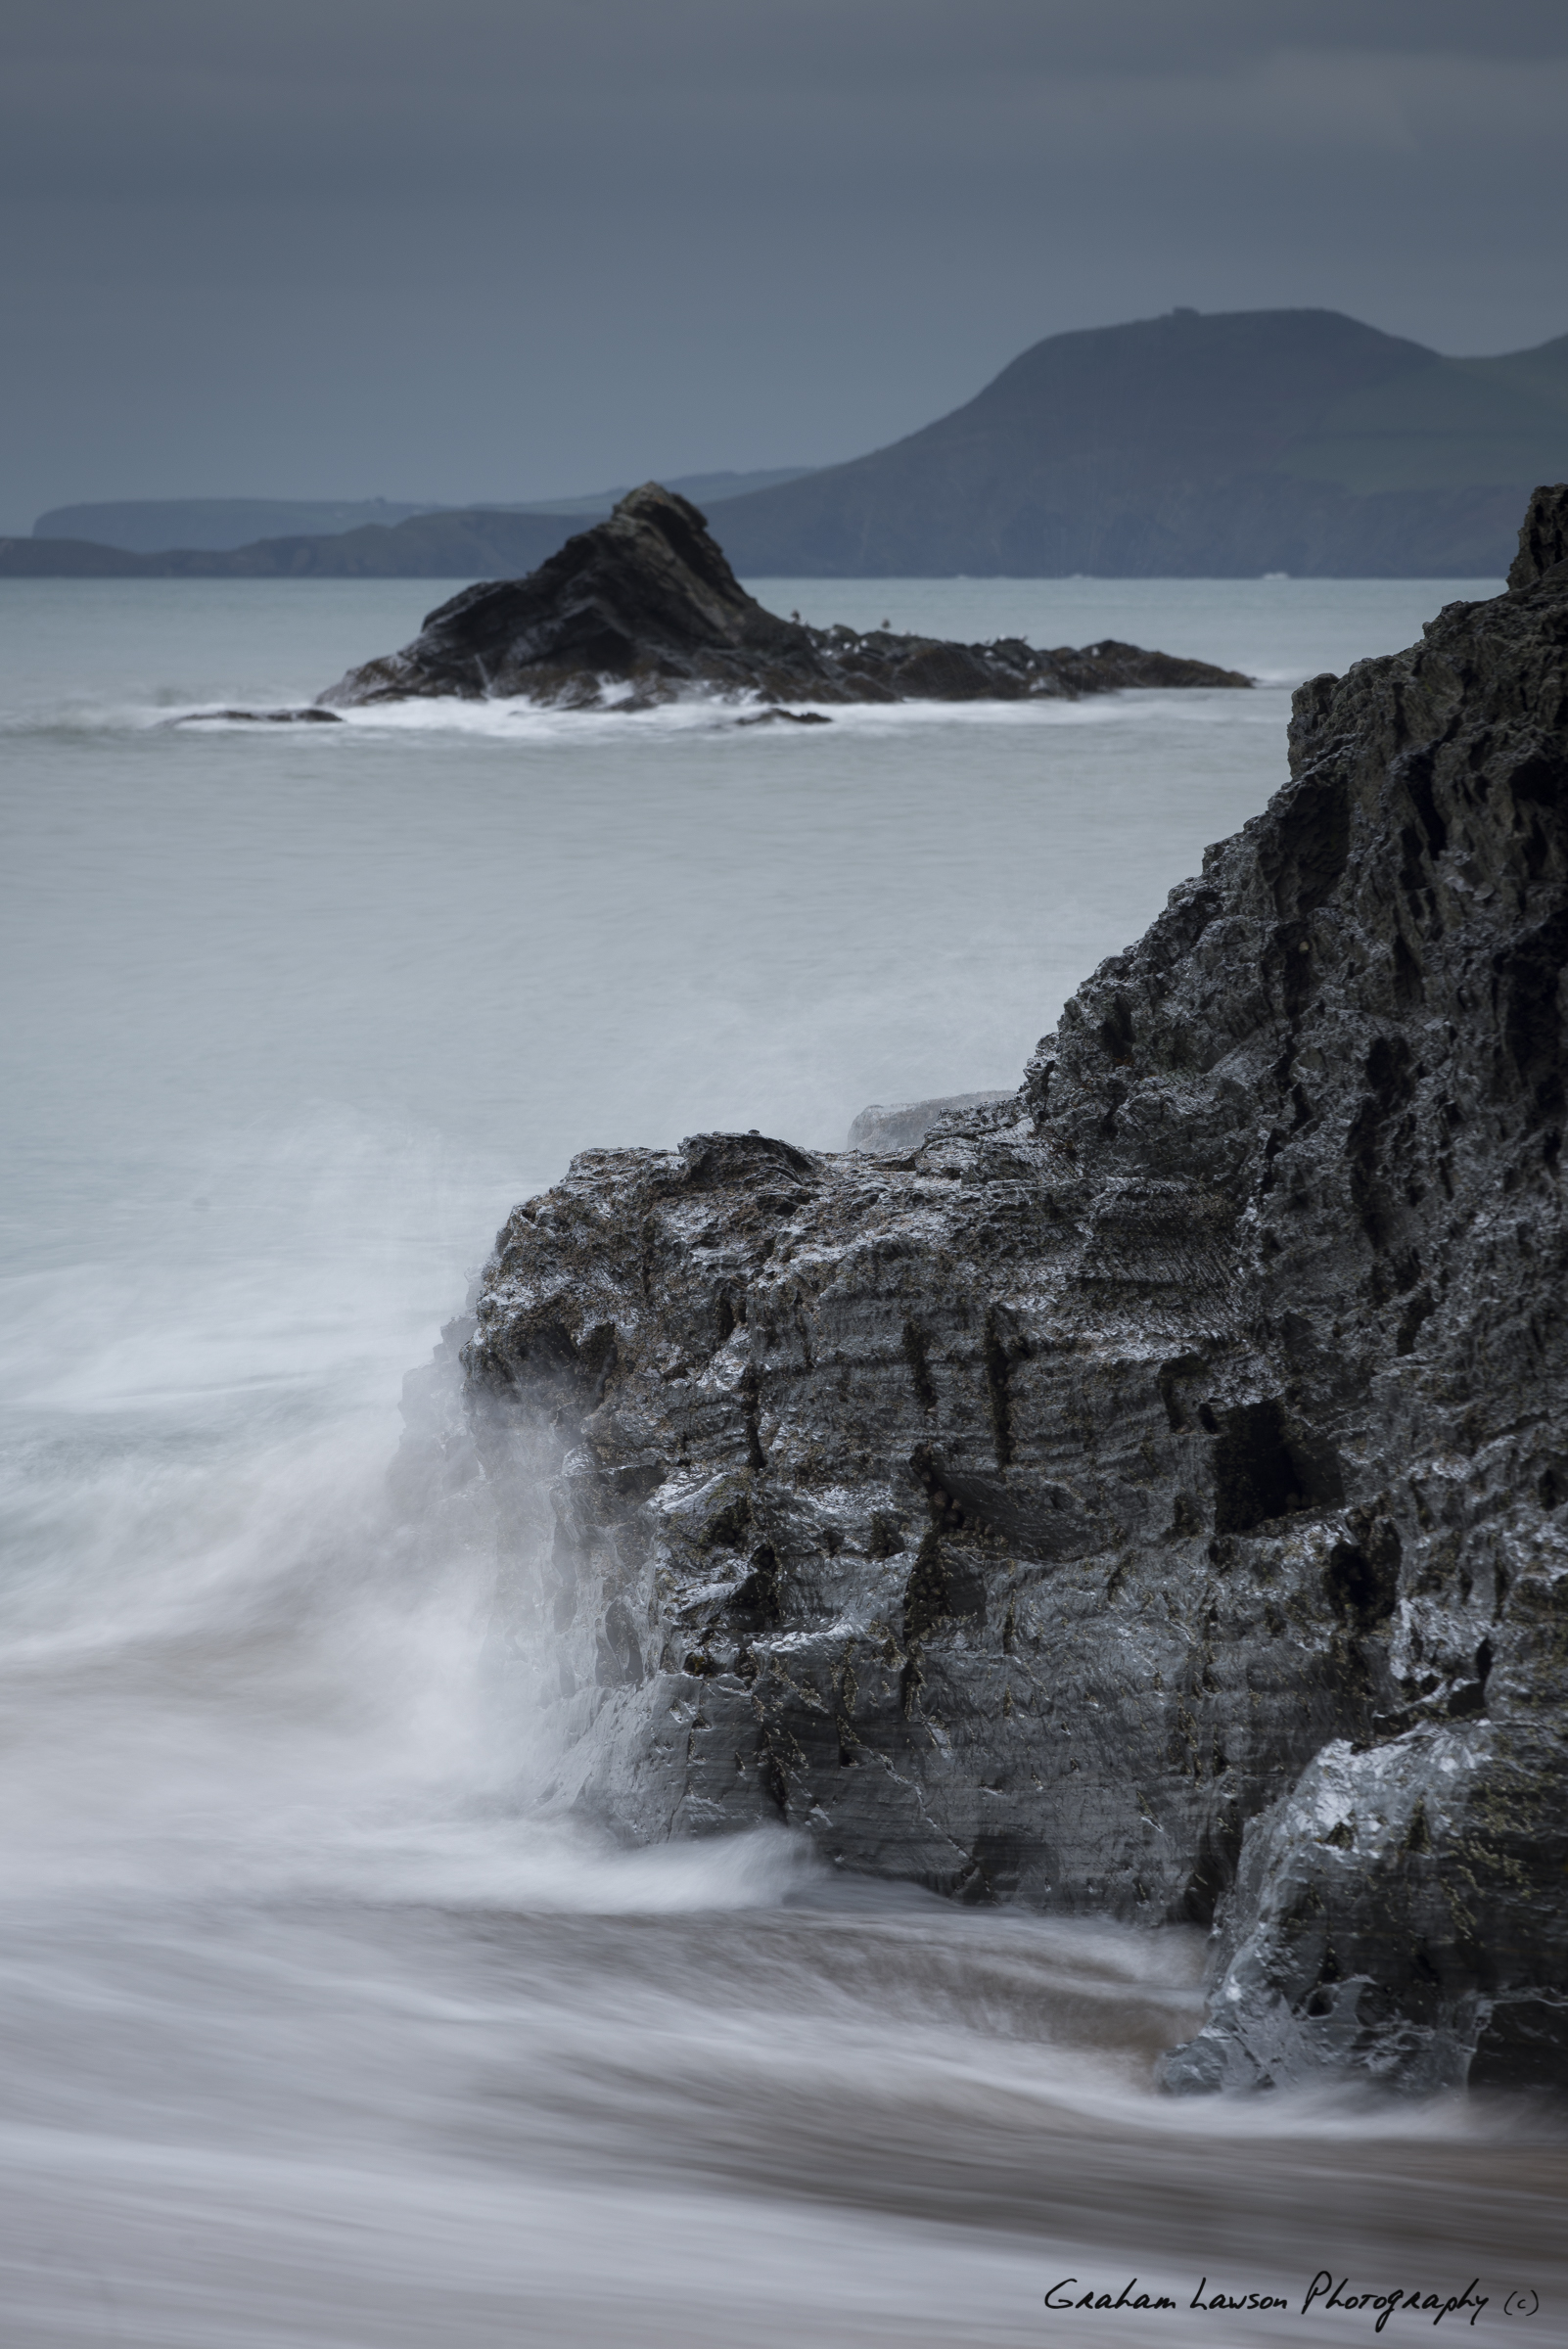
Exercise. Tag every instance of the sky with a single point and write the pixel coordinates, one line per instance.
(508, 249)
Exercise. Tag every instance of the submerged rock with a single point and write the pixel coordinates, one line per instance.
(644, 607)
(312, 715)
(1146, 1495)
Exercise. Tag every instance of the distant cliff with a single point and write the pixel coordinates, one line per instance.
(476, 544)
(148, 525)
(1188, 447)
(1146, 1495)
(185, 526)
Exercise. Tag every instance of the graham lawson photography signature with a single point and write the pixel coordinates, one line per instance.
(1324, 2294)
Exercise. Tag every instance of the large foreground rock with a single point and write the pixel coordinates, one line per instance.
(644, 607)
(1146, 1495)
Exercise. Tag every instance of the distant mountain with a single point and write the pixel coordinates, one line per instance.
(1292, 441)
(1183, 447)
(222, 525)
(480, 543)
(148, 525)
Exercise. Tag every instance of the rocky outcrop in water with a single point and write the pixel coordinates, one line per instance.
(644, 607)
(1145, 1496)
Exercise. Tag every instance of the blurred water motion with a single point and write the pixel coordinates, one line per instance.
(317, 2029)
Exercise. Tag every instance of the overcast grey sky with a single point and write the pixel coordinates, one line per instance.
(506, 249)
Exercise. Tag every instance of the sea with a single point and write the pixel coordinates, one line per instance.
(316, 2029)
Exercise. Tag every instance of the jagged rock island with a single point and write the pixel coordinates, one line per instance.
(643, 608)
(1148, 1494)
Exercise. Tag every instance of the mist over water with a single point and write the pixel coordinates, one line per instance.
(319, 2027)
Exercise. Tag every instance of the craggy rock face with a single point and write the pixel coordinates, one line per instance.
(1148, 1494)
(644, 606)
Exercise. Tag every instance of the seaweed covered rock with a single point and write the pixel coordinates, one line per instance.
(1146, 1495)
(644, 607)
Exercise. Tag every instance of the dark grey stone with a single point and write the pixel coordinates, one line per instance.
(644, 607)
(1148, 1498)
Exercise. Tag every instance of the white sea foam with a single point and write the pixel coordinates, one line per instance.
(712, 716)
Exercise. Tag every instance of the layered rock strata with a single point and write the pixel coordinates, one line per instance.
(1146, 1494)
(644, 607)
